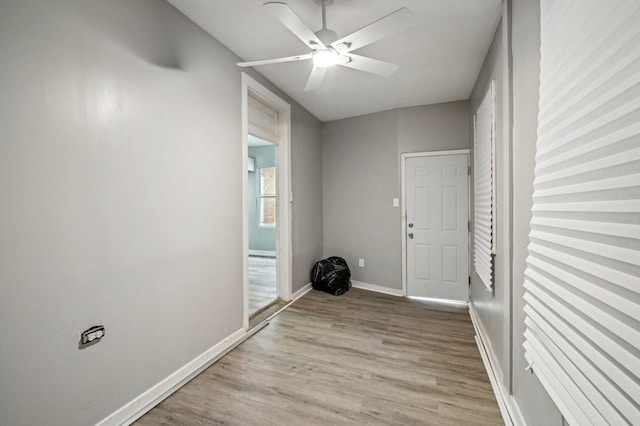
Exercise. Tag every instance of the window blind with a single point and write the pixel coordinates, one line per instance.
(263, 120)
(582, 282)
(483, 190)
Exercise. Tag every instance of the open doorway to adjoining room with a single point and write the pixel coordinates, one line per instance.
(263, 218)
(267, 201)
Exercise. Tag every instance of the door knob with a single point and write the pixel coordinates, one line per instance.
(411, 225)
(411, 235)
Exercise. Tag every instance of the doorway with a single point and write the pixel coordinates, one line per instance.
(266, 185)
(262, 226)
(435, 190)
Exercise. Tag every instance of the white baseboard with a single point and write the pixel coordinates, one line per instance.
(484, 336)
(301, 292)
(516, 414)
(136, 408)
(265, 253)
(377, 288)
(507, 404)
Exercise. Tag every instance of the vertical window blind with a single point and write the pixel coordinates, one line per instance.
(483, 248)
(582, 282)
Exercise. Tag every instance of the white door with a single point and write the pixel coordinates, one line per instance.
(437, 232)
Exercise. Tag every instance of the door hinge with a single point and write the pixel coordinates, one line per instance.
(468, 170)
(469, 279)
(469, 225)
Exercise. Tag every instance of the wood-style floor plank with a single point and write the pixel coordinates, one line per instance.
(262, 282)
(360, 358)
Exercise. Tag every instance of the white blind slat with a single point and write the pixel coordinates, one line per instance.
(605, 228)
(554, 380)
(608, 206)
(586, 245)
(598, 144)
(573, 383)
(613, 276)
(607, 374)
(484, 247)
(629, 181)
(623, 331)
(590, 166)
(615, 41)
(611, 298)
(582, 281)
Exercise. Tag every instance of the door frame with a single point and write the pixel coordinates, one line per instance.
(403, 201)
(284, 196)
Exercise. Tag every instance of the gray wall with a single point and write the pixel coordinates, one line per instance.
(502, 313)
(359, 170)
(493, 308)
(120, 180)
(361, 176)
(434, 127)
(260, 237)
(306, 169)
(534, 402)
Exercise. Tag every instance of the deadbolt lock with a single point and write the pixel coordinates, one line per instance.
(411, 225)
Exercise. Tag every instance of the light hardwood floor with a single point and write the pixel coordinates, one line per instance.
(360, 358)
(262, 282)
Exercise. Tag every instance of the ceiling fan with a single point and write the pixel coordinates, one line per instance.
(327, 50)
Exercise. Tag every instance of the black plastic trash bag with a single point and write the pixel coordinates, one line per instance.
(331, 275)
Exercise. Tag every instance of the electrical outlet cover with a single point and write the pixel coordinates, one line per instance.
(92, 335)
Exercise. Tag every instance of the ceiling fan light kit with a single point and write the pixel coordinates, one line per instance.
(327, 50)
(324, 58)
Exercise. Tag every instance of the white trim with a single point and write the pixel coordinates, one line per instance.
(245, 206)
(470, 223)
(377, 288)
(301, 292)
(477, 324)
(516, 414)
(495, 384)
(509, 409)
(443, 302)
(140, 405)
(263, 253)
(403, 202)
(403, 221)
(284, 253)
(434, 153)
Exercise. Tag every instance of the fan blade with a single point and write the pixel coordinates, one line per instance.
(370, 65)
(391, 24)
(315, 79)
(284, 14)
(275, 61)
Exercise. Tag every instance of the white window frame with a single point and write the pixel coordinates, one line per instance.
(262, 197)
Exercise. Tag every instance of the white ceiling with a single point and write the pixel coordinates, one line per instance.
(439, 57)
